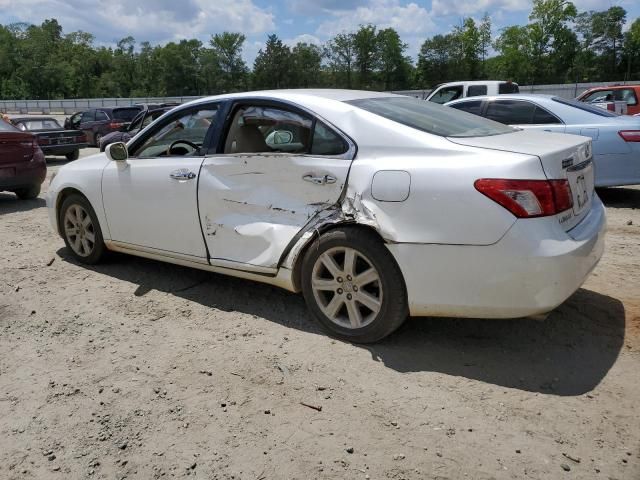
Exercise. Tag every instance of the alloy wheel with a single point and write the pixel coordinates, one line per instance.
(347, 287)
(79, 230)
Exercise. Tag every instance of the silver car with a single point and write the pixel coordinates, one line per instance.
(616, 138)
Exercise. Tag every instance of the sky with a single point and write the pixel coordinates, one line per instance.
(312, 21)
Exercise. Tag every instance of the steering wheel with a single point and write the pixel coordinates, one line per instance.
(177, 142)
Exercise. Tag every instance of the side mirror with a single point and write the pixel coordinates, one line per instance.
(117, 152)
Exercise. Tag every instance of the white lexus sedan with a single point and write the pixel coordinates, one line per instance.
(375, 206)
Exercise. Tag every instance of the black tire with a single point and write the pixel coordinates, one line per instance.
(393, 309)
(98, 249)
(28, 193)
(96, 139)
(73, 155)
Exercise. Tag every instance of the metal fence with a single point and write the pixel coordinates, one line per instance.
(570, 90)
(564, 90)
(79, 104)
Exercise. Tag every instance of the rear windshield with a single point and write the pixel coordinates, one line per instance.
(585, 107)
(431, 118)
(39, 124)
(126, 114)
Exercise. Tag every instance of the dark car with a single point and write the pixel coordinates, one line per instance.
(22, 164)
(144, 118)
(52, 138)
(97, 122)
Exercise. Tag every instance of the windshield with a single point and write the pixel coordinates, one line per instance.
(6, 126)
(586, 107)
(431, 118)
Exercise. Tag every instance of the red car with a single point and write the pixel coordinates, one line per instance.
(621, 93)
(22, 164)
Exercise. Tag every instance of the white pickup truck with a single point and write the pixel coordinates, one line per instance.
(445, 92)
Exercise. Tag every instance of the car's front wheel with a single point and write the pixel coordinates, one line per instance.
(353, 286)
(81, 230)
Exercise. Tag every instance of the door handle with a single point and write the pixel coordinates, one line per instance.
(182, 174)
(319, 180)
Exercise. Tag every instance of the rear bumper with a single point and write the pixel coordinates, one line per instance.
(62, 149)
(26, 174)
(534, 268)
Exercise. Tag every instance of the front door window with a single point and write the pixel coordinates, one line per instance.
(183, 135)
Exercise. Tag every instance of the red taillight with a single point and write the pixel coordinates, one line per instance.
(115, 125)
(630, 135)
(528, 198)
(80, 139)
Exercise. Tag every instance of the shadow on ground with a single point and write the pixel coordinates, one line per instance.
(10, 203)
(567, 354)
(620, 197)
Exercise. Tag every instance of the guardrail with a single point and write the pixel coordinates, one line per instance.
(68, 106)
(74, 105)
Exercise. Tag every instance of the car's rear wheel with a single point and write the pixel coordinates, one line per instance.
(73, 155)
(81, 230)
(28, 193)
(97, 137)
(353, 286)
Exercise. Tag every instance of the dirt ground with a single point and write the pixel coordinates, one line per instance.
(138, 369)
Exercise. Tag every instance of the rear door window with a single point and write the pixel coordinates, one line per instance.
(101, 116)
(446, 94)
(266, 129)
(474, 106)
(326, 141)
(476, 90)
(543, 117)
(126, 114)
(511, 112)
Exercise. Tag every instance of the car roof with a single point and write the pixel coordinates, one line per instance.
(510, 96)
(298, 95)
(476, 82)
(22, 119)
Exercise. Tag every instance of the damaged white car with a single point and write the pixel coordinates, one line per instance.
(375, 206)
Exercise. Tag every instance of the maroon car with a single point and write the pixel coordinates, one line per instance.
(22, 164)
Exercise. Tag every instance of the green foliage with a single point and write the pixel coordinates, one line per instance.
(559, 44)
(272, 68)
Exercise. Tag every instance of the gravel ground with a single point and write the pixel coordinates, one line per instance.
(138, 369)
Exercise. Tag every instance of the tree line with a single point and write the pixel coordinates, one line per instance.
(557, 45)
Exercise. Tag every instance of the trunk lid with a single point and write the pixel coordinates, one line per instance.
(562, 156)
(15, 148)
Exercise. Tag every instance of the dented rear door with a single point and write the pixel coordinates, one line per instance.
(252, 205)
